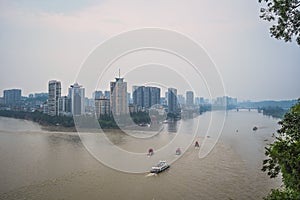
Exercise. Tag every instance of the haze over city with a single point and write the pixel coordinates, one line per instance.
(139, 99)
(50, 40)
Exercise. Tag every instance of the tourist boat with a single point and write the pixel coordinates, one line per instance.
(178, 151)
(161, 166)
(150, 152)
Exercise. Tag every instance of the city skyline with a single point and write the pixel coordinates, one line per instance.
(179, 95)
(42, 41)
(152, 95)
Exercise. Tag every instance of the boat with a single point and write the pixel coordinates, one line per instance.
(178, 151)
(254, 128)
(161, 166)
(144, 124)
(150, 152)
(197, 144)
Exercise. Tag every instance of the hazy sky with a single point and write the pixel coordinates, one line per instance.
(44, 40)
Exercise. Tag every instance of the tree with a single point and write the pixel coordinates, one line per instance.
(284, 156)
(286, 13)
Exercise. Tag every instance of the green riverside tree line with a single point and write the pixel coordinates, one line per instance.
(106, 121)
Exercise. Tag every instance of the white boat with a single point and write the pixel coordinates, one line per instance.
(161, 166)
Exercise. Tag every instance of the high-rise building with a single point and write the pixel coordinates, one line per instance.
(163, 101)
(64, 105)
(181, 99)
(1, 101)
(102, 107)
(189, 98)
(107, 94)
(155, 95)
(12, 97)
(166, 97)
(77, 95)
(172, 100)
(145, 97)
(97, 94)
(137, 95)
(226, 101)
(199, 100)
(118, 97)
(54, 94)
(129, 99)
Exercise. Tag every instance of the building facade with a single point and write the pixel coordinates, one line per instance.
(1, 101)
(64, 105)
(189, 98)
(97, 94)
(154, 96)
(54, 94)
(172, 100)
(181, 100)
(199, 100)
(145, 97)
(102, 107)
(226, 102)
(77, 95)
(12, 97)
(107, 94)
(118, 97)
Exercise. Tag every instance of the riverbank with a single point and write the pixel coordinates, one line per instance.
(66, 123)
(58, 128)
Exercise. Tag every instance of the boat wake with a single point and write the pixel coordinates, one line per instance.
(151, 174)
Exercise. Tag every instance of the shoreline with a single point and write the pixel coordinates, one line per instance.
(59, 128)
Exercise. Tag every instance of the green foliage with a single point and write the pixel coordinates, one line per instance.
(284, 156)
(274, 111)
(287, 15)
(40, 118)
(107, 121)
(140, 117)
(173, 116)
(283, 194)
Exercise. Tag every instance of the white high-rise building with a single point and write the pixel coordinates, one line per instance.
(118, 97)
(54, 94)
(77, 95)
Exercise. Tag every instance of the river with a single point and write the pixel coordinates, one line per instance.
(37, 164)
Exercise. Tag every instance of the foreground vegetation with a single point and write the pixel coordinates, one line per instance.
(284, 156)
